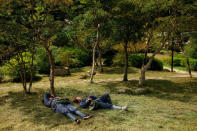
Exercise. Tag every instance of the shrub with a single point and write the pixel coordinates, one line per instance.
(108, 57)
(176, 61)
(1, 75)
(108, 61)
(193, 63)
(74, 57)
(118, 60)
(156, 65)
(42, 61)
(136, 61)
(181, 61)
(191, 51)
(13, 67)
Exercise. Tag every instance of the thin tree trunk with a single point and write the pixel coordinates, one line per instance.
(31, 72)
(23, 83)
(94, 53)
(125, 78)
(187, 62)
(186, 57)
(143, 71)
(142, 76)
(146, 66)
(100, 59)
(24, 74)
(172, 57)
(52, 67)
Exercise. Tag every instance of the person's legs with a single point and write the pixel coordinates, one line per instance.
(103, 105)
(71, 116)
(63, 109)
(77, 112)
(118, 107)
(106, 98)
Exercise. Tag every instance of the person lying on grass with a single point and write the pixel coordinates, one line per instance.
(104, 102)
(63, 106)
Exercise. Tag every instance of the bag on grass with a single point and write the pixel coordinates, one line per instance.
(63, 101)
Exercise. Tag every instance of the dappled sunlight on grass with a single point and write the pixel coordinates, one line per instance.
(170, 104)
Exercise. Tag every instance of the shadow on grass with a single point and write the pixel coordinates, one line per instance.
(162, 89)
(35, 79)
(34, 111)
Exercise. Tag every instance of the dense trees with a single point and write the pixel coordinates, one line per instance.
(94, 26)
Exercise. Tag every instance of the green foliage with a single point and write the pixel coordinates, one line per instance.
(72, 57)
(42, 60)
(191, 51)
(180, 60)
(177, 61)
(1, 74)
(156, 65)
(20, 64)
(136, 61)
(193, 63)
(119, 60)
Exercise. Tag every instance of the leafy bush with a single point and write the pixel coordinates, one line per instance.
(1, 75)
(13, 67)
(176, 61)
(108, 57)
(191, 51)
(42, 61)
(156, 65)
(72, 57)
(193, 63)
(136, 61)
(108, 61)
(181, 61)
(118, 60)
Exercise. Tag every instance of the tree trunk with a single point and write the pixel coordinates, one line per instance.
(142, 76)
(146, 66)
(172, 59)
(23, 83)
(31, 72)
(186, 57)
(94, 53)
(187, 62)
(100, 60)
(52, 67)
(24, 74)
(125, 78)
(172, 56)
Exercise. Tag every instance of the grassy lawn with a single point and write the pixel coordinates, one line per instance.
(171, 104)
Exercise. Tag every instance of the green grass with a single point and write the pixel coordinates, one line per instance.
(177, 67)
(171, 104)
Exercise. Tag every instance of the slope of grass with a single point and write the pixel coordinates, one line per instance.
(171, 105)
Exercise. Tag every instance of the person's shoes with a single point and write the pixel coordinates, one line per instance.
(125, 108)
(87, 117)
(78, 121)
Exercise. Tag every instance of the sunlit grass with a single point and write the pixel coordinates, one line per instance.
(171, 104)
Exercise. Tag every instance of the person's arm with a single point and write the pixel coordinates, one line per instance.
(83, 103)
(47, 102)
(92, 97)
